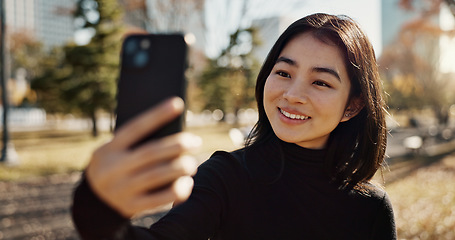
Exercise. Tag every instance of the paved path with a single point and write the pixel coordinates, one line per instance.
(37, 209)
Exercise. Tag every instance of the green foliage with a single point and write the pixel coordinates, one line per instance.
(228, 81)
(84, 80)
(48, 82)
(95, 66)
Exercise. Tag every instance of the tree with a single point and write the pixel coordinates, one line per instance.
(27, 54)
(94, 66)
(83, 79)
(411, 66)
(228, 81)
(413, 79)
(47, 83)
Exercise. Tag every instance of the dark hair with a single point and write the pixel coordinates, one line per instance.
(356, 148)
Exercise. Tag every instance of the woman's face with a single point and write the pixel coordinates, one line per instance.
(306, 93)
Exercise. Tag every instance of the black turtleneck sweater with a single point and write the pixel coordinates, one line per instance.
(274, 191)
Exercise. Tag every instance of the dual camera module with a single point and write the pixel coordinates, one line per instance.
(136, 52)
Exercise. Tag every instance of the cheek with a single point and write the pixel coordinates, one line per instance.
(271, 89)
(269, 96)
(333, 106)
(267, 92)
(338, 107)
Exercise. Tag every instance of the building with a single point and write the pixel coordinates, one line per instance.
(49, 21)
(269, 29)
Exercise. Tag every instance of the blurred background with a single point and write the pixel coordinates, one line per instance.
(59, 68)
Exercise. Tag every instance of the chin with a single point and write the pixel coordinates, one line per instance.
(287, 138)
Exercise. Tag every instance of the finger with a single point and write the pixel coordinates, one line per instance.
(161, 150)
(183, 188)
(124, 195)
(180, 191)
(147, 122)
(150, 180)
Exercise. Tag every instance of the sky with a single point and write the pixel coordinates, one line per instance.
(222, 16)
(366, 12)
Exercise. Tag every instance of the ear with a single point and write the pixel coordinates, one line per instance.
(355, 106)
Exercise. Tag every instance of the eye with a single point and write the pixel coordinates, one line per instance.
(283, 74)
(321, 83)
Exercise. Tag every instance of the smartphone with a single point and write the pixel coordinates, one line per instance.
(152, 69)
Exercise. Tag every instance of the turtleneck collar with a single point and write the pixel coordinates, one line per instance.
(267, 161)
(298, 154)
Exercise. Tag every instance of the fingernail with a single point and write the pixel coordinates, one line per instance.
(183, 187)
(189, 164)
(177, 103)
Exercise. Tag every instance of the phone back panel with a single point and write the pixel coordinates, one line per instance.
(152, 69)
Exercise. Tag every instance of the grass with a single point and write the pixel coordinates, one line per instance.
(422, 190)
(43, 153)
(424, 199)
(50, 152)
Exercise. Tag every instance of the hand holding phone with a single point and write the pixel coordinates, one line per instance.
(129, 173)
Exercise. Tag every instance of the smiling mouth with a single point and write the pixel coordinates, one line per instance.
(293, 116)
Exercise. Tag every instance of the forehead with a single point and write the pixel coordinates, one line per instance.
(308, 44)
(308, 50)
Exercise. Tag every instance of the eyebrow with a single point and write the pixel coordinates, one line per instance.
(286, 60)
(327, 70)
(314, 69)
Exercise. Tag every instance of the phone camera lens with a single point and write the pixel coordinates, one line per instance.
(140, 59)
(130, 47)
(145, 44)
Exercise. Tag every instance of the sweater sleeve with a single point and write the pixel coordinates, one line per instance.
(384, 226)
(201, 216)
(197, 218)
(94, 219)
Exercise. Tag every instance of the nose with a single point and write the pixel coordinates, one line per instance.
(296, 93)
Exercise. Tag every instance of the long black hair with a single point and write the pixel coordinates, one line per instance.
(356, 148)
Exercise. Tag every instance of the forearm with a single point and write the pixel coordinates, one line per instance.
(94, 219)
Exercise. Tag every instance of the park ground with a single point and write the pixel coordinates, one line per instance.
(35, 195)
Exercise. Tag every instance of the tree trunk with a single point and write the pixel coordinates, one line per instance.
(94, 126)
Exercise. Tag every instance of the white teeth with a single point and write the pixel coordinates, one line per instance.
(293, 116)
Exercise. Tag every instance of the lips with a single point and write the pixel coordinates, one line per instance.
(293, 116)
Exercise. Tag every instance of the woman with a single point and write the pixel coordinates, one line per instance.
(304, 173)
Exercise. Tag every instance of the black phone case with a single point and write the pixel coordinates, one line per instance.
(152, 69)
